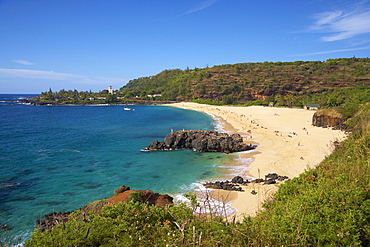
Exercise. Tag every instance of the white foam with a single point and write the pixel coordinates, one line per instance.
(62, 150)
(206, 204)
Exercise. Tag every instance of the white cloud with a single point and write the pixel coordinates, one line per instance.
(332, 51)
(342, 25)
(23, 62)
(102, 81)
(51, 75)
(326, 17)
(203, 5)
(36, 74)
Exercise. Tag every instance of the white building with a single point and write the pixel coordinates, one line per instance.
(110, 89)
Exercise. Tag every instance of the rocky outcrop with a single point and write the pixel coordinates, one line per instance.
(124, 194)
(201, 141)
(121, 189)
(328, 118)
(145, 196)
(224, 185)
(234, 184)
(51, 220)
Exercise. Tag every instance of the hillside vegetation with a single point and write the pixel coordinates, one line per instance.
(343, 83)
(284, 83)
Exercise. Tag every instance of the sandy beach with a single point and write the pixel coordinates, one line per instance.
(288, 144)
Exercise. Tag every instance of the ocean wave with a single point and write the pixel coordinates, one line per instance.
(206, 204)
(218, 125)
(58, 150)
(3, 186)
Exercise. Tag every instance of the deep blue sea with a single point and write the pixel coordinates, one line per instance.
(59, 158)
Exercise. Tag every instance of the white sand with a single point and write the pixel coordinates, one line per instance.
(288, 144)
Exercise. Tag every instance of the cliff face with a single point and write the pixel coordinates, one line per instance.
(122, 194)
(328, 118)
(201, 141)
(146, 196)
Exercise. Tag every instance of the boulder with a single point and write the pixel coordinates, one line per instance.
(225, 185)
(270, 181)
(121, 189)
(237, 179)
(271, 176)
(201, 141)
(51, 220)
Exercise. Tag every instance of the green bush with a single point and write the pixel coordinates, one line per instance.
(135, 224)
(135, 197)
(208, 102)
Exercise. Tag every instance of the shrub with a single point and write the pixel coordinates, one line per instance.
(135, 197)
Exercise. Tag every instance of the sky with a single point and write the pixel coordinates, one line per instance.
(92, 44)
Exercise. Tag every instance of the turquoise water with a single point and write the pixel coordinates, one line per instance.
(59, 158)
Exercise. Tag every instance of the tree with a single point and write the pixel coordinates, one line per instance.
(200, 88)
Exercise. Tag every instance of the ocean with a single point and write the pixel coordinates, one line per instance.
(59, 158)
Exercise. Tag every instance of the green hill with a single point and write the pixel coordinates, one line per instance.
(279, 82)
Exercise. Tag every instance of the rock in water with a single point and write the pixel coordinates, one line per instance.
(201, 141)
(51, 220)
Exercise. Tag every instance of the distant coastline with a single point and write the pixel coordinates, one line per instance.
(34, 102)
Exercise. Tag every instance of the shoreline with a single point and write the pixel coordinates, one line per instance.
(288, 145)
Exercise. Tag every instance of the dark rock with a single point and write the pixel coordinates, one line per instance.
(220, 185)
(253, 192)
(281, 178)
(4, 227)
(271, 176)
(259, 180)
(201, 141)
(329, 118)
(51, 220)
(121, 189)
(238, 180)
(275, 176)
(270, 181)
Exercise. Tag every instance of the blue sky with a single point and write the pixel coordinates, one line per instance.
(91, 44)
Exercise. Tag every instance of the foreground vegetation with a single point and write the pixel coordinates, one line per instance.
(326, 206)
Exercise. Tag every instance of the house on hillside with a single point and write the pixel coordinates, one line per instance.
(154, 95)
(311, 106)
